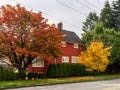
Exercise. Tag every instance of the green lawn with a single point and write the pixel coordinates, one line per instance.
(7, 84)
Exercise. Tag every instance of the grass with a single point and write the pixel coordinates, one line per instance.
(22, 83)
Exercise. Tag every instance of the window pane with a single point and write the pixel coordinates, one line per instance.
(38, 63)
(65, 59)
(63, 43)
(74, 59)
(75, 45)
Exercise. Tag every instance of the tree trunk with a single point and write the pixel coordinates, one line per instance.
(22, 73)
(95, 73)
(21, 70)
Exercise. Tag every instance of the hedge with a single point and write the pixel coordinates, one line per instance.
(6, 75)
(35, 75)
(66, 70)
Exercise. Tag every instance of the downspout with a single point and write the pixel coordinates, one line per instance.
(55, 61)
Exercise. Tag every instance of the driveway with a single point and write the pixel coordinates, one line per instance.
(95, 85)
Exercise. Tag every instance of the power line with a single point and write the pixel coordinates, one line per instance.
(84, 4)
(92, 5)
(49, 15)
(71, 8)
(101, 2)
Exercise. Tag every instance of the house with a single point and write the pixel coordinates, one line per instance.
(70, 47)
(5, 63)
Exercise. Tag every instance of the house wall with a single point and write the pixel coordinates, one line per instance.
(38, 69)
(69, 51)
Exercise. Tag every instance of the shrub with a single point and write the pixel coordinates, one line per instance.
(10, 75)
(1, 73)
(22, 75)
(66, 70)
(36, 75)
(41, 75)
(30, 75)
(59, 70)
(6, 75)
(52, 71)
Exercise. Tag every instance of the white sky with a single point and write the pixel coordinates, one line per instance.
(71, 12)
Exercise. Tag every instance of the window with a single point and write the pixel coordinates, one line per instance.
(63, 43)
(74, 59)
(75, 45)
(65, 59)
(38, 63)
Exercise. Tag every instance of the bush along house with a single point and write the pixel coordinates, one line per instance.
(70, 47)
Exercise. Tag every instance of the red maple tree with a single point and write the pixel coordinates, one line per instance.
(25, 35)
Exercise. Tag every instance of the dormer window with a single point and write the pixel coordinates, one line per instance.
(75, 45)
(63, 43)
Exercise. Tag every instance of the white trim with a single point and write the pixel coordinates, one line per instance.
(75, 45)
(65, 59)
(74, 59)
(63, 44)
(38, 63)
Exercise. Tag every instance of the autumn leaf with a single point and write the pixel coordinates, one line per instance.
(95, 57)
(25, 35)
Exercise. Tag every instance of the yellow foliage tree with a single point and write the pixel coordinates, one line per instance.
(95, 58)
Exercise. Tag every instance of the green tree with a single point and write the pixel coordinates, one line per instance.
(97, 34)
(25, 35)
(106, 16)
(109, 37)
(110, 15)
(87, 27)
(116, 14)
(90, 22)
(106, 30)
(95, 58)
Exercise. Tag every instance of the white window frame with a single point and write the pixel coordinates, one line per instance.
(37, 63)
(63, 43)
(75, 45)
(65, 59)
(74, 59)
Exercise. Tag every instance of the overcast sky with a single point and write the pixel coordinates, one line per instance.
(71, 12)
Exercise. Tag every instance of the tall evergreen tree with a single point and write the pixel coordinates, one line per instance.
(90, 22)
(110, 15)
(106, 16)
(88, 26)
(106, 30)
(116, 14)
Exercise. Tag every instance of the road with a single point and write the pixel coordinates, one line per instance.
(95, 85)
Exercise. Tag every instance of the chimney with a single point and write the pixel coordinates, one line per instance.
(60, 26)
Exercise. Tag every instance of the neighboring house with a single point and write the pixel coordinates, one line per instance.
(5, 63)
(70, 47)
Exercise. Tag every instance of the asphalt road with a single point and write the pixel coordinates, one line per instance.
(96, 85)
